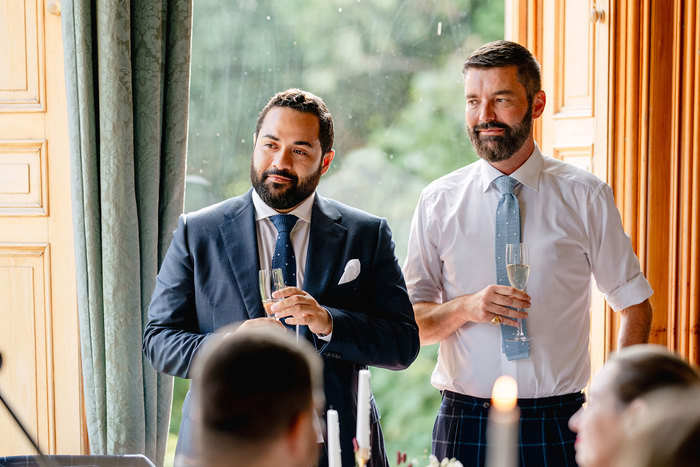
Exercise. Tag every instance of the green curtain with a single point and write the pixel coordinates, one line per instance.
(127, 78)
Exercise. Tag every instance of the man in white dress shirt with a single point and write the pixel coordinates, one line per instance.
(568, 219)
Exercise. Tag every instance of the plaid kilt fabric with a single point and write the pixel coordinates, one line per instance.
(545, 438)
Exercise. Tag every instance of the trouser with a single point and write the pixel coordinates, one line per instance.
(544, 435)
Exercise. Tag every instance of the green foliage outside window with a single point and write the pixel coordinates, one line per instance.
(390, 72)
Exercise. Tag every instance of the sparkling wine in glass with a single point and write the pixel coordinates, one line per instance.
(518, 269)
(270, 281)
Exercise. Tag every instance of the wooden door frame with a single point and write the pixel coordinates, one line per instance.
(653, 122)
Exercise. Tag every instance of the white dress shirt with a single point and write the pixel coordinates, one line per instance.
(267, 236)
(573, 229)
(267, 233)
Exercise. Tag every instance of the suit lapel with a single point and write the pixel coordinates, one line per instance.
(326, 241)
(240, 240)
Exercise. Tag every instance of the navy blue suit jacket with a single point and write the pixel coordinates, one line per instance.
(208, 279)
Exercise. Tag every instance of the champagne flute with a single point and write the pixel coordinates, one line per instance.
(518, 270)
(270, 281)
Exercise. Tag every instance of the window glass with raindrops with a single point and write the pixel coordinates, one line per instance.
(390, 72)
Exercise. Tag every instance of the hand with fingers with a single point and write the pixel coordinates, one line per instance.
(301, 308)
(257, 322)
(498, 304)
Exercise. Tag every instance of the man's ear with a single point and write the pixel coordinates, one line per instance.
(538, 104)
(298, 434)
(326, 162)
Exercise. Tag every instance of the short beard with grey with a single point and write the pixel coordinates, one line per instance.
(502, 147)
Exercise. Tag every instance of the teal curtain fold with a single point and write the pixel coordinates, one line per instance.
(127, 80)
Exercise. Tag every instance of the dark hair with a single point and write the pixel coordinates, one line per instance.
(303, 101)
(253, 384)
(644, 368)
(505, 53)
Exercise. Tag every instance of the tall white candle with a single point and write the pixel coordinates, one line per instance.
(333, 439)
(362, 433)
(502, 431)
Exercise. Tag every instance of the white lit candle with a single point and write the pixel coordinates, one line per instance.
(362, 433)
(502, 431)
(333, 439)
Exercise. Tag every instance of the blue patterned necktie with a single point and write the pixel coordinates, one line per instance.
(283, 257)
(508, 231)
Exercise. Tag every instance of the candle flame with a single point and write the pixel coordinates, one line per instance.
(505, 393)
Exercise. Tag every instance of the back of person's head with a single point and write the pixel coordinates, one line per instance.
(664, 430)
(641, 369)
(630, 375)
(252, 387)
(303, 101)
(502, 53)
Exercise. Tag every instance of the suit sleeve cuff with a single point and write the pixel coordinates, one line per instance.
(327, 337)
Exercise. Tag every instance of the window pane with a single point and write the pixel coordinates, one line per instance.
(390, 73)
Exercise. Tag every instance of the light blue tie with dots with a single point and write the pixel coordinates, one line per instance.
(283, 257)
(508, 231)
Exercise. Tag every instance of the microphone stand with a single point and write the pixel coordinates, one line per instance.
(41, 459)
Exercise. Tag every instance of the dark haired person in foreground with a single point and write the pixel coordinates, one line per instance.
(256, 392)
(456, 269)
(345, 287)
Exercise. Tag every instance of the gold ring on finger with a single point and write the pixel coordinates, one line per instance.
(496, 320)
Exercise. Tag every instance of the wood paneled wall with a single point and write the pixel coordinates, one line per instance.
(654, 144)
(39, 338)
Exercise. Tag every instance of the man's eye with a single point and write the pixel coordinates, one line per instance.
(300, 152)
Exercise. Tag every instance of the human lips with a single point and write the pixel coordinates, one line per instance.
(491, 132)
(280, 177)
(491, 129)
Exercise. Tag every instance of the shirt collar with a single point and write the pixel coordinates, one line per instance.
(303, 211)
(527, 174)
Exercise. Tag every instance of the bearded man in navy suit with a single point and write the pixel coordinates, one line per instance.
(350, 300)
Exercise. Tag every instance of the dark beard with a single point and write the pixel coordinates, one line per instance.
(500, 148)
(278, 198)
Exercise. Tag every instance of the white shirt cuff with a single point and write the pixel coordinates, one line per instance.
(632, 293)
(327, 337)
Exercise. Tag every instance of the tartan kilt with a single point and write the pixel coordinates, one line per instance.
(544, 438)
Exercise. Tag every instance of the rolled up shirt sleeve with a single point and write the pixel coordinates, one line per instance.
(422, 266)
(613, 261)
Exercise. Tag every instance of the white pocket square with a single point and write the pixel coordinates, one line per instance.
(352, 270)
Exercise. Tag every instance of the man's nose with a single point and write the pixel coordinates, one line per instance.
(283, 159)
(486, 113)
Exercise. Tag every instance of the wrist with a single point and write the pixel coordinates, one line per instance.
(328, 329)
(462, 308)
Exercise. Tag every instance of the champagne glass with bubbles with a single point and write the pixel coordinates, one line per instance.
(270, 281)
(518, 269)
